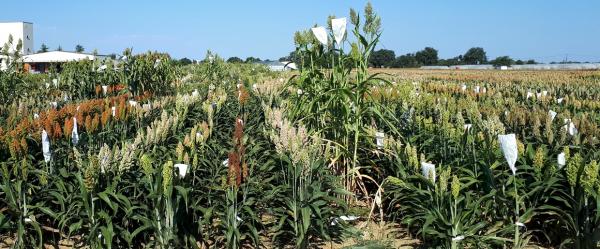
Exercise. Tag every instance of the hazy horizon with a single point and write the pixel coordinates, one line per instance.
(542, 30)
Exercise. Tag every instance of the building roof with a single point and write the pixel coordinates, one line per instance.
(279, 65)
(270, 63)
(434, 67)
(567, 66)
(59, 56)
(17, 22)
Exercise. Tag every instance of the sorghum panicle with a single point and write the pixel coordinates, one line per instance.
(167, 174)
(455, 186)
(572, 168)
(146, 163)
(538, 161)
(589, 177)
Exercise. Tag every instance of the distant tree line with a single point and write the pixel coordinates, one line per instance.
(429, 57)
(250, 59)
(185, 61)
(382, 58)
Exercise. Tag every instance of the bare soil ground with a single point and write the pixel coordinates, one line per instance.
(375, 235)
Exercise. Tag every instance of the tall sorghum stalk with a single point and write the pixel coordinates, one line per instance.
(360, 54)
(516, 243)
(455, 187)
(165, 221)
(237, 171)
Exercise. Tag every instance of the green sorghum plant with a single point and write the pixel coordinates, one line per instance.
(105, 158)
(536, 126)
(444, 178)
(413, 158)
(455, 185)
(89, 178)
(127, 156)
(194, 160)
(548, 131)
(167, 174)
(493, 126)
(567, 152)
(179, 151)
(186, 158)
(572, 169)
(538, 161)
(460, 121)
(78, 159)
(43, 177)
(520, 147)
(146, 164)
(24, 168)
(562, 136)
(589, 177)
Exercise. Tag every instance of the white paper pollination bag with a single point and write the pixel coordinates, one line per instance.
(561, 160)
(570, 127)
(46, 146)
(428, 170)
(529, 95)
(182, 169)
(338, 25)
(508, 144)
(321, 35)
(467, 127)
(74, 133)
(552, 114)
(379, 136)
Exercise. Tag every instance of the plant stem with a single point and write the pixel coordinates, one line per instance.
(454, 244)
(517, 217)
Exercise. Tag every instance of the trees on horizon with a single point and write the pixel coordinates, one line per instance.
(429, 57)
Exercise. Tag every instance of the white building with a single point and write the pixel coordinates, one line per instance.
(22, 31)
(41, 62)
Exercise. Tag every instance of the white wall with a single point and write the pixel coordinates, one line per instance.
(19, 30)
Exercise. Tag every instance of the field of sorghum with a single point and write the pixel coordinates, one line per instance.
(219, 155)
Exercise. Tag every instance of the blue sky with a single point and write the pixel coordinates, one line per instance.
(544, 30)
